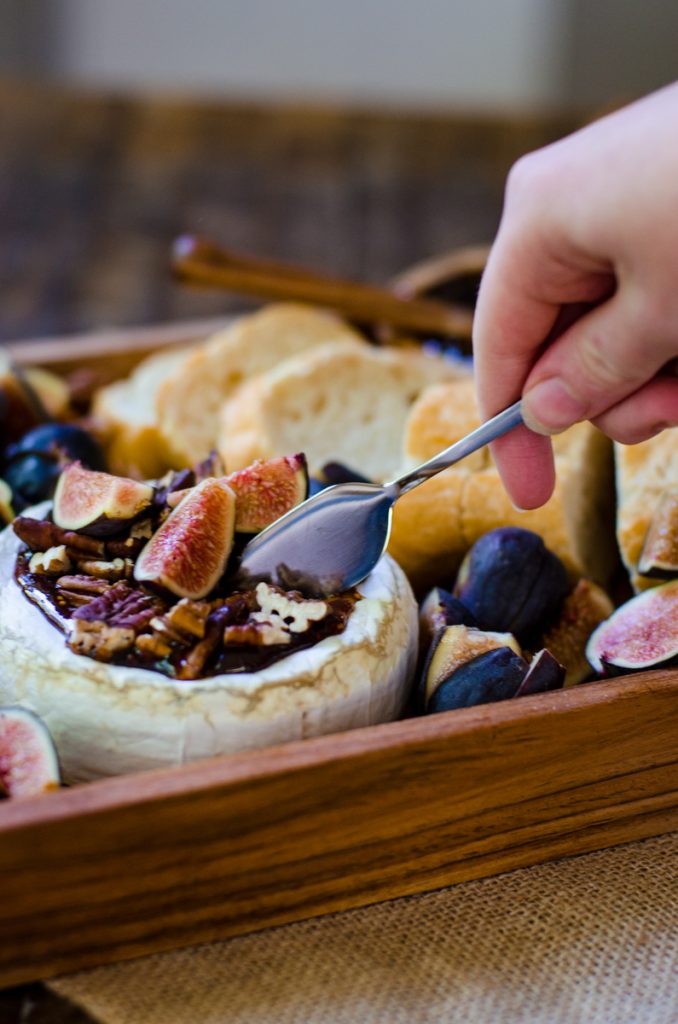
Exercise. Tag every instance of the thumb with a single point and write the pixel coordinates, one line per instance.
(604, 357)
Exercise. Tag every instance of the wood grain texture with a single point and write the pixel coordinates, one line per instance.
(131, 865)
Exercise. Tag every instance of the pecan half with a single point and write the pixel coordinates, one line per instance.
(118, 569)
(40, 534)
(121, 606)
(99, 640)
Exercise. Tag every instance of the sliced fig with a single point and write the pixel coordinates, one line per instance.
(439, 609)
(187, 555)
(494, 675)
(6, 510)
(452, 647)
(544, 673)
(509, 580)
(266, 490)
(643, 633)
(659, 556)
(28, 760)
(96, 503)
(582, 610)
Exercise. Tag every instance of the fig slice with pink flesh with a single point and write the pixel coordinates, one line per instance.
(97, 503)
(641, 634)
(28, 759)
(187, 555)
(267, 490)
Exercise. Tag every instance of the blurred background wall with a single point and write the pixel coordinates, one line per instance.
(484, 55)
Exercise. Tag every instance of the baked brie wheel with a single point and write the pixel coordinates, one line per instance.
(109, 719)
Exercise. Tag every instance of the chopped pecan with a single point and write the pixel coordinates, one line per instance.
(118, 569)
(83, 584)
(152, 645)
(256, 634)
(99, 640)
(74, 598)
(193, 664)
(288, 611)
(128, 547)
(40, 534)
(189, 617)
(121, 606)
(53, 562)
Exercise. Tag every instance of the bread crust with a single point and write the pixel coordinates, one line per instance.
(643, 472)
(435, 524)
(340, 402)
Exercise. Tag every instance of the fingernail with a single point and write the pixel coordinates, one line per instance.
(550, 407)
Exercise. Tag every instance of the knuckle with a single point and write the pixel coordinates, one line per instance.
(600, 365)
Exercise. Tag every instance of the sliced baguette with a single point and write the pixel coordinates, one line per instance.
(188, 402)
(340, 402)
(436, 523)
(126, 412)
(643, 472)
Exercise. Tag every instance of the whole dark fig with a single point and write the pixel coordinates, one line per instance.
(511, 582)
(492, 676)
(34, 463)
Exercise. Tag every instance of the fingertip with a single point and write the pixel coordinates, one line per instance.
(526, 466)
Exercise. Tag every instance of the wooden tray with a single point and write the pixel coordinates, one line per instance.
(127, 866)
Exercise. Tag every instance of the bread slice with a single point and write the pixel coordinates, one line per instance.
(188, 402)
(436, 523)
(643, 472)
(340, 402)
(126, 412)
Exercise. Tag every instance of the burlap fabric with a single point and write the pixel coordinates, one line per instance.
(590, 940)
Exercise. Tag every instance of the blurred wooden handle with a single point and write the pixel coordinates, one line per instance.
(200, 261)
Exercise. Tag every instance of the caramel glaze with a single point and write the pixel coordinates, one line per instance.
(41, 590)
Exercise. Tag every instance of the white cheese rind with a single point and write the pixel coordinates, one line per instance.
(108, 720)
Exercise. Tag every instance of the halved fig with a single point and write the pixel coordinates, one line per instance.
(187, 555)
(545, 673)
(439, 609)
(266, 490)
(511, 581)
(641, 634)
(491, 676)
(582, 610)
(97, 503)
(452, 647)
(28, 759)
(6, 510)
(659, 556)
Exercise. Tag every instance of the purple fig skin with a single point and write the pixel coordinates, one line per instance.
(452, 647)
(641, 634)
(544, 674)
(511, 582)
(439, 609)
(492, 676)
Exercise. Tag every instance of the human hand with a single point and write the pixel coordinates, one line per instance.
(578, 306)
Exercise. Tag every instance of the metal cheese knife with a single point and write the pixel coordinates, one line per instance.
(332, 541)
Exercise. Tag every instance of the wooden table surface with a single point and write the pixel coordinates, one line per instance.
(93, 189)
